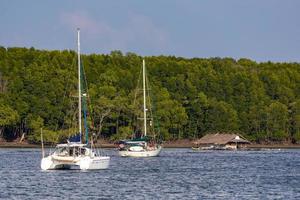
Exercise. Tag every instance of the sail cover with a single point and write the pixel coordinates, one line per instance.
(75, 138)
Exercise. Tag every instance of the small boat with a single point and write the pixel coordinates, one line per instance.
(74, 154)
(143, 146)
(212, 147)
(203, 148)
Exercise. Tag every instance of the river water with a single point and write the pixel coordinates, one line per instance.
(175, 174)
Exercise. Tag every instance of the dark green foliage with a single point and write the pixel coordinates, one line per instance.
(190, 97)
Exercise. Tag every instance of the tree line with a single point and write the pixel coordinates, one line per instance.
(189, 97)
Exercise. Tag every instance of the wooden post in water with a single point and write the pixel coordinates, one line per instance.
(42, 141)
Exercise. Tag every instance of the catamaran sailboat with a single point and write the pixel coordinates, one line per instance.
(144, 146)
(75, 155)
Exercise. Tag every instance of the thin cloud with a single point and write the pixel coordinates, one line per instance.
(144, 29)
(138, 32)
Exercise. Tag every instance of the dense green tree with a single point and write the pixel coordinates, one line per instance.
(221, 116)
(189, 97)
(277, 121)
(169, 114)
(8, 117)
(295, 121)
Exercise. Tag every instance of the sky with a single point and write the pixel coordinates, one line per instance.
(261, 30)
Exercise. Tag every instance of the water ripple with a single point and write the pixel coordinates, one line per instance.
(176, 174)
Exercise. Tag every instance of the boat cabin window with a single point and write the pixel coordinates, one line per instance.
(62, 151)
(82, 151)
(71, 151)
(76, 151)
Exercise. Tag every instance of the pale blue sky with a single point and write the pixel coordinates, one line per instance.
(261, 30)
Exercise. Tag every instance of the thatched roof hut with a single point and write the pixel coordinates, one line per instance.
(222, 139)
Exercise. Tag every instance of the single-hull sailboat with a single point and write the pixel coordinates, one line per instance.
(75, 155)
(140, 152)
(144, 146)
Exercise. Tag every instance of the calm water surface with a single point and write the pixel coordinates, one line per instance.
(176, 174)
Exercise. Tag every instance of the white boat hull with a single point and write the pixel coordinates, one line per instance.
(83, 163)
(145, 153)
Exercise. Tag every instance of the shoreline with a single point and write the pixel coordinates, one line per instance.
(175, 144)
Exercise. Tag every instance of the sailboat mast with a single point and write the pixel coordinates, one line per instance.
(144, 93)
(79, 84)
